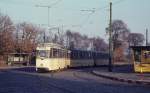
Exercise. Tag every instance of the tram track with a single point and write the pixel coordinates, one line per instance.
(46, 83)
(44, 80)
(76, 74)
(88, 76)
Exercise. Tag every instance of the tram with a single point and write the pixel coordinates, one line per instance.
(50, 56)
(141, 58)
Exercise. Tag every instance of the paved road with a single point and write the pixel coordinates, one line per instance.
(69, 81)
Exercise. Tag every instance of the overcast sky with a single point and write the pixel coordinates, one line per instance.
(67, 13)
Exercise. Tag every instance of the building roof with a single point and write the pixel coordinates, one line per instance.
(140, 47)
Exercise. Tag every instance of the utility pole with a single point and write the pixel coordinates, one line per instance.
(110, 40)
(146, 37)
(44, 37)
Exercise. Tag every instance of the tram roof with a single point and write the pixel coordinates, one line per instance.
(140, 47)
(50, 45)
(80, 50)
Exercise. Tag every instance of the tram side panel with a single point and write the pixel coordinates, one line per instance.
(63, 59)
(81, 58)
(59, 59)
(81, 62)
(101, 59)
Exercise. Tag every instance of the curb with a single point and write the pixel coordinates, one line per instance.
(131, 81)
(14, 67)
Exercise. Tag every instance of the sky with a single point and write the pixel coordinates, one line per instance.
(76, 15)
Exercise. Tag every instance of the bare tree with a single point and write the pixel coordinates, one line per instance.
(120, 33)
(136, 39)
(69, 38)
(27, 37)
(99, 44)
(78, 41)
(6, 37)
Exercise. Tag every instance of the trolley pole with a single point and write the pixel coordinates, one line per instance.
(110, 40)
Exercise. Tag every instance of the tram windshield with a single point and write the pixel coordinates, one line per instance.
(42, 53)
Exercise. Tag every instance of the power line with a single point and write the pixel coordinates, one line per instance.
(117, 2)
(58, 1)
(107, 6)
(48, 9)
(92, 11)
(95, 10)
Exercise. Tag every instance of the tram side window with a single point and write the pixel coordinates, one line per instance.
(55, 53)
(63, 54)
(82, 54)
(137, 56)
(68, 55)
(90, 55)
(51, 53)
(72, 54)
(77, 54)
(86, 55)
(60, 52)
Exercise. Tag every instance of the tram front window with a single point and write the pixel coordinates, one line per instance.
(42, 53)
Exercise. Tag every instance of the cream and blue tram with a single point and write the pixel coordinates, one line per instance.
(51, 57)
(84, 58)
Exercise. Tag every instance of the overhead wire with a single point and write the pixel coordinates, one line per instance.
(83, 23)
(58, 1)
